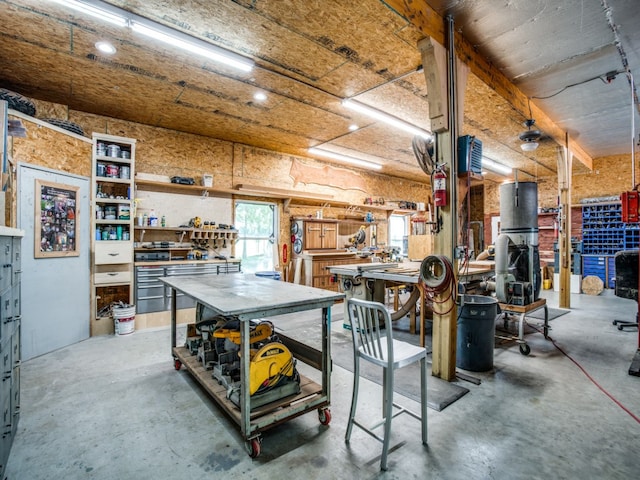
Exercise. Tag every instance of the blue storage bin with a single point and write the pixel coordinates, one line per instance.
(274, 275)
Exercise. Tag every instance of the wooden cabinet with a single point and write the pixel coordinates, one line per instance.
(320, 235)
(316, 266)
(113, 165)
(314, 234)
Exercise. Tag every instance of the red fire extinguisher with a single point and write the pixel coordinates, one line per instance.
(440, 187)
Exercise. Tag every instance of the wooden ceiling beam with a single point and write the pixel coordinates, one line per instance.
(420, 14)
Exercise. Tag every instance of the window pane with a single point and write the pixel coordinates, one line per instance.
(256, 227)
(397, 231)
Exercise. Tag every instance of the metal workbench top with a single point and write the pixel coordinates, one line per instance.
(406, 272)
(249, 297)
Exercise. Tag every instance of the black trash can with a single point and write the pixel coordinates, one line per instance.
(476, 331)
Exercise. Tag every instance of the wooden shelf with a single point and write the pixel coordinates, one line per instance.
(154, 186)
(187, 229)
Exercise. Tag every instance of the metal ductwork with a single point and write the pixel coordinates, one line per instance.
(518, 278)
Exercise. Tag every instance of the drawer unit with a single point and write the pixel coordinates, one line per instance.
(104, 278)
(6, 315)
(150, 291)
(595, 266)
(15, 398)
(153, 296)
(611, 272)
(6, 262)
(10, 310)
(107, 252)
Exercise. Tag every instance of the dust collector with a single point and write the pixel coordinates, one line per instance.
(517, 279)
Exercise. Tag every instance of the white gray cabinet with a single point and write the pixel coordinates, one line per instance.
(10, 319)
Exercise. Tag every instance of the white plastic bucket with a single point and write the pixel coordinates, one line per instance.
(124, 319)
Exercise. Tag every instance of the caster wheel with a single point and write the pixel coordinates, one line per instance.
(177, 364)
(253, 447)
(525, 349)
(619, 327)
(324, 415)
(546, 333)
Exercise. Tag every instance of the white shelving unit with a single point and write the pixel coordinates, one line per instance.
(112, 206)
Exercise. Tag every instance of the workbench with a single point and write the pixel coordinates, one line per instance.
(247, 298)
(407, 273)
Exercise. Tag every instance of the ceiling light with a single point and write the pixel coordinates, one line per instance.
(530, 137)
(99, 10)
(353, 127)
(259, 96)
(191, 44)
(495, 166)
(122, 18)
(386, 118)
(106, 47)
(344, 158)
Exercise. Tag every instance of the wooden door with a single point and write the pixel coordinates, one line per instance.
(313, 236)
(329, 235)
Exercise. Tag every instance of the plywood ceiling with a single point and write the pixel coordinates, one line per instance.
(310, 54)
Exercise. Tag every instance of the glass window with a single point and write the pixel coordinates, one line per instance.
(256, 223)
(398, 231)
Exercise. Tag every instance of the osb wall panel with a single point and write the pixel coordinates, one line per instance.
(52, 149)
(610, 177)
(264, 168)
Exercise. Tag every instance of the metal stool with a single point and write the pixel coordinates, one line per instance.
(367, 320)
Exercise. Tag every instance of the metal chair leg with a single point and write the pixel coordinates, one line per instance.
(423, 398)
(354, 399)
(388, 416)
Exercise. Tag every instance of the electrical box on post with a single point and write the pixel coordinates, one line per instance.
(469, 155)
(629, 206)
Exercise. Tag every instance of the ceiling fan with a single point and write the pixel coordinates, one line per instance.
(530, 137)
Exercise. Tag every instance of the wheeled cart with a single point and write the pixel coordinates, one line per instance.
(247, 297)
(522, 311)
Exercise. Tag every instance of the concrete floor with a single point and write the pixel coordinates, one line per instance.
(115, 408)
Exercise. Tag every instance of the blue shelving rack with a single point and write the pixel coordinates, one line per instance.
(604, 234)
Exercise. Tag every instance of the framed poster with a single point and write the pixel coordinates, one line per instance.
(56, 217)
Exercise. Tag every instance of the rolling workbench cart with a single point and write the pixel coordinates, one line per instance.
(248, 297)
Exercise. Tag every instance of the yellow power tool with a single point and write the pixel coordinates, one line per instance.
(262, 331)
(269, 366)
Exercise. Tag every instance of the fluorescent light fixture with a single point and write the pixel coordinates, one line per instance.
(97, 9)
(344, 158)
(496, 167)
(122, 18)
(106, 47)
(386, 118)
(191, 44)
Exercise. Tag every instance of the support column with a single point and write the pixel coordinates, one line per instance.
(440, 73)
(565, 159)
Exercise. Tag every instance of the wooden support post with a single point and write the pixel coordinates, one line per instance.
(564, 229)
(437, 70)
